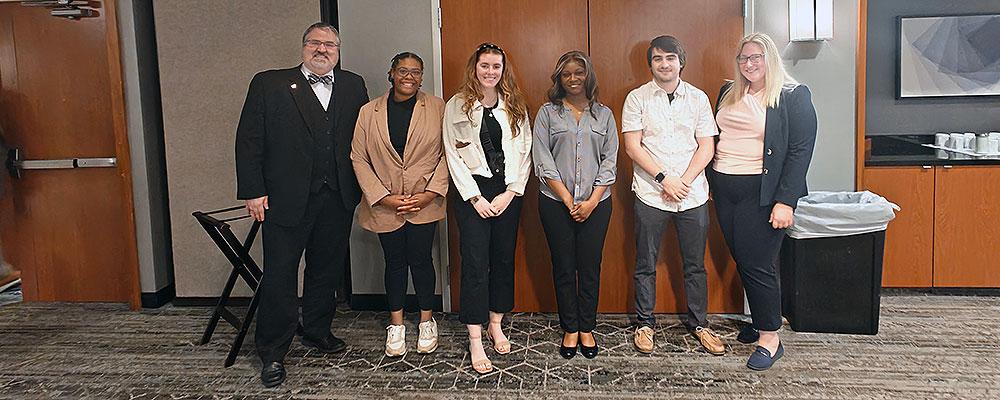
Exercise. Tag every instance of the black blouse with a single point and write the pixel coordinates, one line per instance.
(399, 115)
(490, 135)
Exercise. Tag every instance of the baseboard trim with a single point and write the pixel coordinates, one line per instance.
(378, 302)
(159, 298)
(210, 301)
(940, 291)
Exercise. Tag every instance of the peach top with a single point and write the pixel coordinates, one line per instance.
(740, 150)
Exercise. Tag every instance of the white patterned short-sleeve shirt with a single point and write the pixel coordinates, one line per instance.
(669, 132)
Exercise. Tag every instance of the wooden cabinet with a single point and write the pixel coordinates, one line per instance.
(966, 212)
(943, 234)
(909, 239)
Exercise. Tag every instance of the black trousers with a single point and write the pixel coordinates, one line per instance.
(408, 252)
(576, 249)
(323, 234)
(753, 243)
(487, 248)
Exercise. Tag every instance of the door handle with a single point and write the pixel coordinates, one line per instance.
(16, 163)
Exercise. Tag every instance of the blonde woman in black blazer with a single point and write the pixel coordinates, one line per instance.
(767, 126)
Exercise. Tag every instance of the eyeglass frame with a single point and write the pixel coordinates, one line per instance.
(313, 43)
(413, 73)
(754, 58)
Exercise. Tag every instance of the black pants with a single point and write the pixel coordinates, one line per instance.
(753, 243)
(487, 248)
(323, 234)
(408, 251)
(576, 249)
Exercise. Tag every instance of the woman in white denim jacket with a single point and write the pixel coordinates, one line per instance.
(487, 142)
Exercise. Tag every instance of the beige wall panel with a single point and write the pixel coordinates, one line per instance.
(208, 51)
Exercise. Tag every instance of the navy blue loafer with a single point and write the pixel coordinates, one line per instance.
(761, 359)
(748, 335)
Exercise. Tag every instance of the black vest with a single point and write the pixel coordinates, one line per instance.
(324, 171)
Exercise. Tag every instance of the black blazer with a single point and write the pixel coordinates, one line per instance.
(789, 139)
(274, 140)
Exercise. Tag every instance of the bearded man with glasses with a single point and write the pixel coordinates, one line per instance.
(293, 146)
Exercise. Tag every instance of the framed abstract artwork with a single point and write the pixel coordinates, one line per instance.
(949, 56)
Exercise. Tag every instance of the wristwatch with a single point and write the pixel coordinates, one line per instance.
(474, 199)
(659, 177)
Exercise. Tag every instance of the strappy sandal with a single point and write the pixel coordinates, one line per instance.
(482, 366)
(500, 347)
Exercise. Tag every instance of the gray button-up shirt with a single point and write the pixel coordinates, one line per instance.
(580, 154)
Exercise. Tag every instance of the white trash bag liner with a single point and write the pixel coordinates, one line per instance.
(831, 214)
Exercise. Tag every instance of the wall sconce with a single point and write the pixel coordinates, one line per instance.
(810, 20)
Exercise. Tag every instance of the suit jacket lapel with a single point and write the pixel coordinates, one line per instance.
(382, 124)
(338, 105)
(305, 100)
(415, 120)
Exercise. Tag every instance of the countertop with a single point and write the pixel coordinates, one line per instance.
(900, 150)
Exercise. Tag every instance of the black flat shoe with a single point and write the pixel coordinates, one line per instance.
(589, 352)
(330, 344)
(567, 352)
(762, 360)
(748, 335)
(272, 374)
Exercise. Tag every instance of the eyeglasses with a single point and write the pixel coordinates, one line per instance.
(754, 58)
(312, 43)
(415, 73)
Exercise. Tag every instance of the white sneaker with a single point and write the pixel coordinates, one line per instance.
(428, 340)
(395, 340)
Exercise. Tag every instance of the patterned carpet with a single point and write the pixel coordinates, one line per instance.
(929, 347)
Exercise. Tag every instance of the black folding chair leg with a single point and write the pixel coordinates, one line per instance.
(244, 328)
(219, 308)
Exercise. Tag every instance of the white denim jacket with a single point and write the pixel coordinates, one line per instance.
(465, 154)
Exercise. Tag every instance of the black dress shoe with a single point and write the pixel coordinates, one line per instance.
(330, 344)
(273, 374)
(567, 352)
(589, 352)
(748, 335)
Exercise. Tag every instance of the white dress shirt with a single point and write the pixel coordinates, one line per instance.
(669, 132)
(323, 91)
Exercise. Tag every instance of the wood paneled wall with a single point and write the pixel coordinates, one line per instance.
(615, 33)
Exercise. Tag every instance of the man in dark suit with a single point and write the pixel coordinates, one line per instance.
(293, 149)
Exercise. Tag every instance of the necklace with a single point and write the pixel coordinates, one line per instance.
(576, 111)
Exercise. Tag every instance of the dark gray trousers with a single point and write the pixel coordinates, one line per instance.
(692, 232)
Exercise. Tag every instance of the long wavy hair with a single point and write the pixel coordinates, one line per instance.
(507, 89)
(557, 92)
(774, 78)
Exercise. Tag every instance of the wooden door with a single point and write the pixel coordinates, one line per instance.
(69, 231)
(966, 212)
(909, 239)
(616, 33)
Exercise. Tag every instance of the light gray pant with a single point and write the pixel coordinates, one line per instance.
(692, 232)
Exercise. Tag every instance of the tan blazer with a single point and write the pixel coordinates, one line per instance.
(381, 172)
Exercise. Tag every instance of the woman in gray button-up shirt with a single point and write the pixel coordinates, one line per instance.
(574, 152)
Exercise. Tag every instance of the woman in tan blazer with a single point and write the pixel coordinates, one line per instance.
(399, 160)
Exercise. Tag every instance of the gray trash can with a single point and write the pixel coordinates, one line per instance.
(831, 262)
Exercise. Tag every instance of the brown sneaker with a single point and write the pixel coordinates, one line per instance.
(644, 339)
(710, 341)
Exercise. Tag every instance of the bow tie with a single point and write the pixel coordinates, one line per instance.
(326, 79)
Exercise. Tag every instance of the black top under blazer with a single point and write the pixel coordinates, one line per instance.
(275, 145)
(789, 139)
